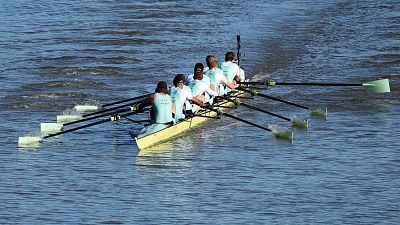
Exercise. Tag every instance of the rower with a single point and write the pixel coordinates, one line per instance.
(190, 78)
(162, 109)
(217, 77)
(200, 89)
(231, 70)
(182, 97)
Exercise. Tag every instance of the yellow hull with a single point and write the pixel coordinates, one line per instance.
(179, 128)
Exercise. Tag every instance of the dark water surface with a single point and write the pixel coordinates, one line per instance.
(344, 170)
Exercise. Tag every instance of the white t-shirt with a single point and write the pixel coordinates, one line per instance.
(241, 75)
(185, 93)
(199, 87)
(189, 79)
(236, 68)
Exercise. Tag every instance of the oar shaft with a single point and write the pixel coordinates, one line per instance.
(239, 119)
(317, 84)
(258, 109)
(126, 100)
(273, 83)
(111, 109)
(86, 125)
(77, 128)
(238, 49)
(245, 121)
(95, 117)
(276, 99)
(264, 111)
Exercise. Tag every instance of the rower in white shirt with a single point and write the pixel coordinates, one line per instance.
(200, 89)
(217, 78)
(182, 97)
(231, 70)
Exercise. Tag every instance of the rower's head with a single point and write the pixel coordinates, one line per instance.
(198, 71)
(229, 56)
(162, 87)
(212, 62)
(208, 59)
(179, 80)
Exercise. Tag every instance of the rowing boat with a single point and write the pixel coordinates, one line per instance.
(187, 124)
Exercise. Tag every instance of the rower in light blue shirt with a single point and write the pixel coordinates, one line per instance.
(162, 108)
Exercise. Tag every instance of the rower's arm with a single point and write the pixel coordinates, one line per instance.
(211, 92)
(196, 101)
(146, 102)
(173, 106)
(227, 83)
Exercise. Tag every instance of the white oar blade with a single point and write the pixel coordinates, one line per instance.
(29, 141)
(377, 86)
(86, 108)
(50, 128)
(67, 118)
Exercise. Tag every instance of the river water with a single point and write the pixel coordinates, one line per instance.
(343, 170)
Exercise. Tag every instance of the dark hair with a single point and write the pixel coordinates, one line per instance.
(178, 78)
(162, 87)
(197, 66)
(229, 56)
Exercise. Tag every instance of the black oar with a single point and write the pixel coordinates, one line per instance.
(28, 141)
(69, 118)
(55, 127)
(321, 112)
(296, 122)
(377, 86)
(279, 133)
(238, 49)
(90, 108)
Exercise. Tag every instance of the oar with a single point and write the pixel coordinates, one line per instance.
(377, 86)
(91, 108)
(56, 127)
(296, 122)
(69, 118)
(279, 133)
(32, 141)
(238, 49)
(321, 112)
